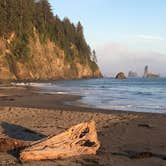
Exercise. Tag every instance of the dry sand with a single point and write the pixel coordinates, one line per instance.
(127, 139)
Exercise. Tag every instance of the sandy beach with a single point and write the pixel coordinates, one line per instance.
(127, 138)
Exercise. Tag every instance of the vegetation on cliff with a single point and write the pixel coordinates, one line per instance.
(26, 18)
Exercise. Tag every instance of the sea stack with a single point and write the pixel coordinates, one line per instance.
(132, 74)
(149, 75)
(120, 75)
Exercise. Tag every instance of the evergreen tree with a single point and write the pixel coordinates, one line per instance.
(21, 16)
(93, 56)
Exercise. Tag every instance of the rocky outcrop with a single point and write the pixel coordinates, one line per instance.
(150, 75)
(147, 74)
(120, 75)
(132, 74)
(45, 61)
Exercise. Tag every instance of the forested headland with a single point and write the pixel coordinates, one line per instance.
(24, 23)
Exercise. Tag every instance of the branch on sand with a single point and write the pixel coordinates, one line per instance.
(76, 141)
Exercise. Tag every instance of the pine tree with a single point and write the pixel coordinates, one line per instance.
(21, 16)
(93, 56)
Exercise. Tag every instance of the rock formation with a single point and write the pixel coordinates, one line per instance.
(35, 44)
(147, 74)
(46, 61)
(132, 74)
(120, 75)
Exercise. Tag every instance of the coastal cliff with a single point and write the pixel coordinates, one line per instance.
(44, 61)
(39, 46)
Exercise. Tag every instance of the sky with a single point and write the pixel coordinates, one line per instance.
(126, 34)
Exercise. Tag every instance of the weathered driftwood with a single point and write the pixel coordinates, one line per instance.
(7, 144)
(78, 140)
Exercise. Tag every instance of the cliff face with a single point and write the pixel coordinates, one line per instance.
(45, 61)
(35, 44)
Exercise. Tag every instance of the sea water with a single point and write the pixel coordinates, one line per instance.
(132, 94)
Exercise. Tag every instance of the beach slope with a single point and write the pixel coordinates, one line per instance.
(126, 138)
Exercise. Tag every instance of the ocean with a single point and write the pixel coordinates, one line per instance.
(132, 94)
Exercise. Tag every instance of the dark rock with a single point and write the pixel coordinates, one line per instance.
(149, 75)
(132, 74)
(120, 75)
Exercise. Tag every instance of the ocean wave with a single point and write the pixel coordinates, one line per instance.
(121, 106)
(19, 84)
(144, 93)
(45, 85)
(137, 108)
(61, 92)
(141, 95)
(157, 107)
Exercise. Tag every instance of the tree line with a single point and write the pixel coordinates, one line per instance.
(21, 16)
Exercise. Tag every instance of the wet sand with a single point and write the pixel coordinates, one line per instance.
(127, 139)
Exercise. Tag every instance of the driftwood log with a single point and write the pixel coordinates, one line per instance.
(78, 140)
(7, 144)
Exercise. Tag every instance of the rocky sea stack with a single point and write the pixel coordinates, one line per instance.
(120, 75)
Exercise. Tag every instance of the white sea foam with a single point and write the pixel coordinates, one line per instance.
(141, 95)
(61, 93)
(34, 84)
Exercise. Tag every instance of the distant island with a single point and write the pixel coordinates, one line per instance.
(147, 74)
(132, 74)
(37, 45)
(120, 75)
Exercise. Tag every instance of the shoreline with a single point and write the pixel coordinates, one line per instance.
(30, 97)
(146, 101)
(60, 100)
(127, 138)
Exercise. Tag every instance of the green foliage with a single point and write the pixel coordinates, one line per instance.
(16, 15)
(12, 64)
(19, 46)
(94, 66)
(93, 56)
(21, 16)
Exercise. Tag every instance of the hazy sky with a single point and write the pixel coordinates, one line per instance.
(126, 34)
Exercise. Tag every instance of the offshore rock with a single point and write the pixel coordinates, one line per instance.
(132, 74)
(120, 75)
(147, 74)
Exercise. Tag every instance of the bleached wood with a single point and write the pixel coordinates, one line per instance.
(78, 140)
